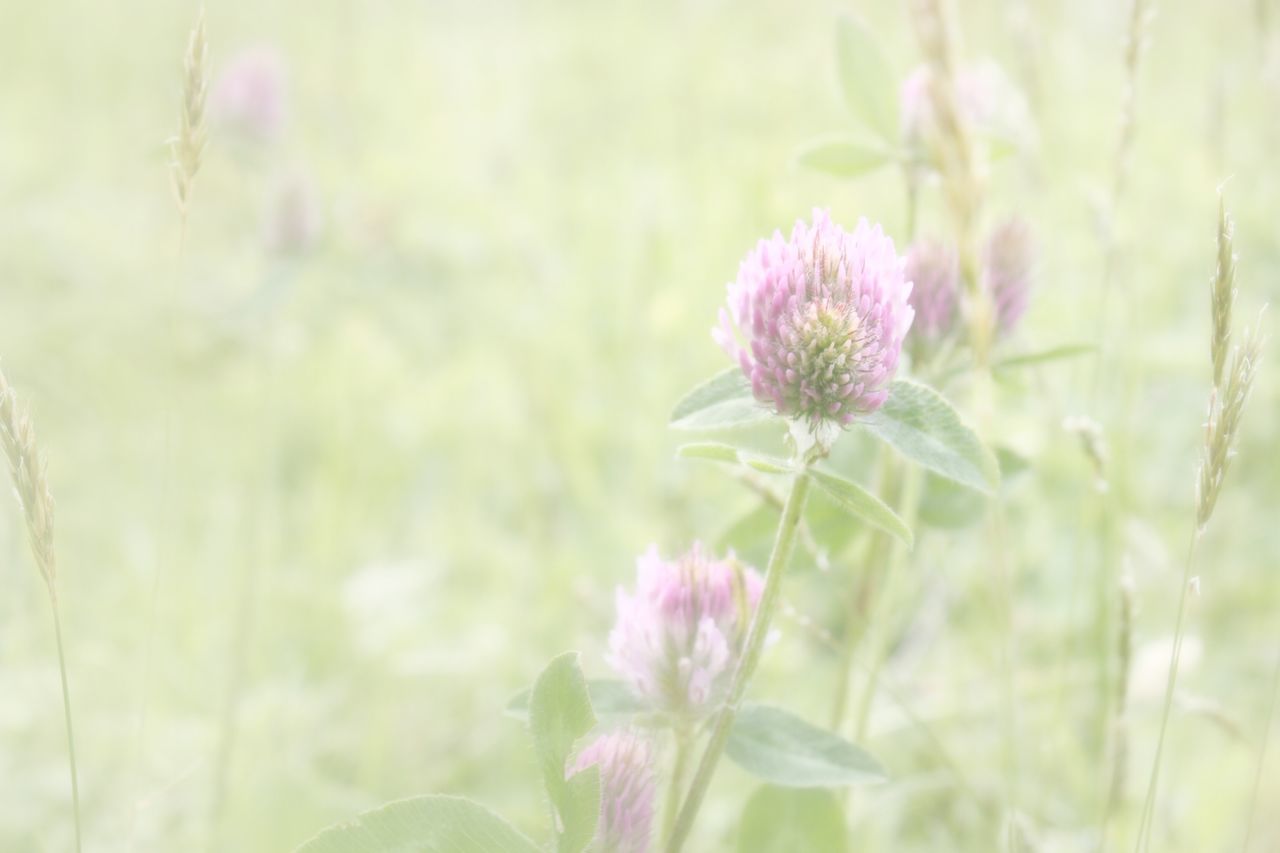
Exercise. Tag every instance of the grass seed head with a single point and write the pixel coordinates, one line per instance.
(30, 480)
(187, 148)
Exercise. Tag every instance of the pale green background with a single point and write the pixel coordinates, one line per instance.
(432, 447)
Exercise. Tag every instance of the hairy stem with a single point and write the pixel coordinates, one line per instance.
(778, 560)
(1149, 806)
(66, 711)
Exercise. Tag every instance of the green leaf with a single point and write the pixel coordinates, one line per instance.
(780, 748)
(720, 452)
(1012, 463)
(869, 86)
(724, 400)
(560, 713)
(785, 820)
(609, 698)
(1030, 359)
(922, 425)
(433, 824)
(948, 505)
(845, 157)
(751, 534)
(861, 504)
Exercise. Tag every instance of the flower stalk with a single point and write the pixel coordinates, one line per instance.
(778, 560)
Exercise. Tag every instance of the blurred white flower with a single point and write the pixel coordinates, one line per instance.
(1151, 666)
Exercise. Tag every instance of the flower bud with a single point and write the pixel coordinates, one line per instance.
(1007, 261)
(934, 271)
(627, 785)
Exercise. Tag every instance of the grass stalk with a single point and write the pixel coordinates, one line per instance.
(1148, 807)
(66, 714)
(186, 150)
(31, 486)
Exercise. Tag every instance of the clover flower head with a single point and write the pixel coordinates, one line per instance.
(679, 636)
(249, 96)
(823, 314)
(934, 270)
(627, 784)
(1008, 258)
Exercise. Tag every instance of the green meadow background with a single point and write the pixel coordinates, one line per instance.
(320, 515)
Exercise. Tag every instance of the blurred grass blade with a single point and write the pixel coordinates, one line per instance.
(1012, 463)
(923, 426)
(724, 400)
(861, 504)
(778, 747)
(868, 83)
(784, 820)
(431, 824)
(716, 451)
(559, 714)
(947, 505)
(1031, 359)
(845, 157)
(713, 451)
(609, 698)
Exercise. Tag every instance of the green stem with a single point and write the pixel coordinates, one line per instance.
(167, 519)
(853, 630)
(778, 560)
(913, 203)
(261, 517)
(1149, 806)
(66, 711)
(906, 502)
(861, 589)
(684, 744)
(1008, 653)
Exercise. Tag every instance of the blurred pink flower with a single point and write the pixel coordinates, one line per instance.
(988, 103)
(1007, 261)
(627, 786)
(678, 638)
(294, 217)
(934, 270)
(249, 95)
(915, 104)
(824, 314)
